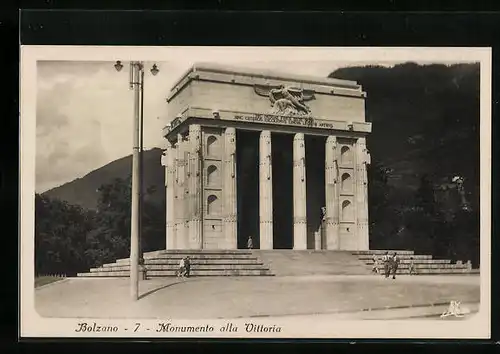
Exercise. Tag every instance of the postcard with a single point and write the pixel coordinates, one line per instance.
(255, 192)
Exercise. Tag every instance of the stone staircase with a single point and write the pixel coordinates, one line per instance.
(277, 262)
(203, 263)
(424, 264)
(311, 262)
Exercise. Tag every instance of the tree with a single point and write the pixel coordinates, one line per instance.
(70, 239)
(424, 198)
(111, 239)
(60, 231)
(379, 192)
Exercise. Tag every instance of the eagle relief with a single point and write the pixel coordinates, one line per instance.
(286, 100)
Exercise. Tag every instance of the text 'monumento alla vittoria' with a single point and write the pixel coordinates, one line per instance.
(278, 158)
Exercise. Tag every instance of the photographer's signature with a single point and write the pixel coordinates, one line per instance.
(455, 309)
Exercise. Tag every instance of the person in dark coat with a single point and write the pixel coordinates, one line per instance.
(187, 266)
(182, 267)
(395, 265)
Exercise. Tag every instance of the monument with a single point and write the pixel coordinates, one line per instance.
(279, 158)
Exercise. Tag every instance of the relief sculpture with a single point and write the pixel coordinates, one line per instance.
(286, 100)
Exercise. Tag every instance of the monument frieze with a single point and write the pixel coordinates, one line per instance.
(269, 118)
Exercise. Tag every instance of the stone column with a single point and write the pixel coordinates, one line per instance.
(299, 193)
(180, 204)
(229, 189)
(169, 161)
(331, 223)
(362, 160)
(265, 191)
(185, 189)
(194, 177)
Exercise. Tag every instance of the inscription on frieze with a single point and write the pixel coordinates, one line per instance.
(289, 120)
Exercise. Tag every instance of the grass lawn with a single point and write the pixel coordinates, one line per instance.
(45, 279)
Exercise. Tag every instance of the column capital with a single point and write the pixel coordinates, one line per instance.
(331, 139)
(194, 128)
(265, 134)
(298, 136)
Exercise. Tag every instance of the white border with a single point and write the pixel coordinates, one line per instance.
(32, 325)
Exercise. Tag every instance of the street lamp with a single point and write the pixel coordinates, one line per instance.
(136, 82)
(118, 66)
(155, 70)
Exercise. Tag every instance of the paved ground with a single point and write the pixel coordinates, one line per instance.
(420, 313)
(241, 297)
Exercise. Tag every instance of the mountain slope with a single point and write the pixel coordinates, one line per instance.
(425, 121)
(83, 191)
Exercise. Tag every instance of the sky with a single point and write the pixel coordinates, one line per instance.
(85, 110)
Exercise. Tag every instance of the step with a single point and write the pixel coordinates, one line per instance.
(377, 252)
(193, 268)
(194, 273)
(430, 266)
(178, 257)
(194, 252)
(400, 256)
(202, 256)
(416, 261)
(436, 271)
(308, 262)
(193, 261)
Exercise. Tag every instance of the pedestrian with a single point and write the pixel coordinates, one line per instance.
(250, 243)
(182, 268)
(395, 265)
(375, 264)
(387, 265)
(187, 266)
(411, 267)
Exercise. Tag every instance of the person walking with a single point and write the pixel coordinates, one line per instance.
(182, 268)
(187, 266)
(411, 267)
(395, 265)
(375, 264)
(250, 243)
(387, 265)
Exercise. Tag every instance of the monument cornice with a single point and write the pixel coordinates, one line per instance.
(223, 74)
(256, 121)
